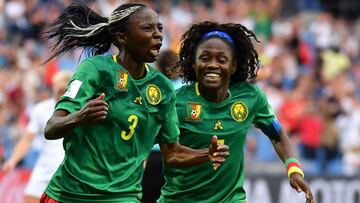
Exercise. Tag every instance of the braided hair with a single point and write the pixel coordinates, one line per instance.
(244, 52)
(80, 27)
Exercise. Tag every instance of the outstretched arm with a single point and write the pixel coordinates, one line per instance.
(177, 155)
(283, 148)
(20, 150)
(62, 122)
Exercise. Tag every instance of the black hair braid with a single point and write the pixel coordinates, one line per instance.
(71, 30)
(245, 53)
(80, 27)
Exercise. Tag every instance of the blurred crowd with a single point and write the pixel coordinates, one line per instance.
(310, 71)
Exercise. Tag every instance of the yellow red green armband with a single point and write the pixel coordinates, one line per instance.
(292, 165)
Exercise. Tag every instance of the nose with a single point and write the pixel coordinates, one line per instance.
(158, 34)
(213, 64)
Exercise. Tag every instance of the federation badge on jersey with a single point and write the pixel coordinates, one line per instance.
(121, 80)
(193, 111)
(153, 94)
(239, 111)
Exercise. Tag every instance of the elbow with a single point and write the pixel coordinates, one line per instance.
(47, 133)
(170, 161)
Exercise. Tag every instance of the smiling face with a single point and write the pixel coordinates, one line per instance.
(144, 35)
(214, 64)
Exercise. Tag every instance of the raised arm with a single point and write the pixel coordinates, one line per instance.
(181, 156)
(62, 122)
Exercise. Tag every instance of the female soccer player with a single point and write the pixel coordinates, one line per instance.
(115, 107)
(219, 61)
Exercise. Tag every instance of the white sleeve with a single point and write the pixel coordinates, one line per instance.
(34, 121)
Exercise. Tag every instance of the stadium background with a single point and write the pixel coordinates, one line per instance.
(310, 53)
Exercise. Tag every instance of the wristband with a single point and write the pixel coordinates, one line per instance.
(292, 165)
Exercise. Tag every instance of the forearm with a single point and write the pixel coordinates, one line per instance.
(283, 147)
(59, 126)
(181, 156)
(21, 148)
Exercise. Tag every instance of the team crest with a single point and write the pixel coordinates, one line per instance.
(239, 111)
(153, 94)
(121, 80)
(193, 111)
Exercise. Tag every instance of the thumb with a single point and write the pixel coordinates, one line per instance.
(214, 142)
(102, 96)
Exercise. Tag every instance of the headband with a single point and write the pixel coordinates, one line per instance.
(118, 15)
(94, 29)
(220, 34)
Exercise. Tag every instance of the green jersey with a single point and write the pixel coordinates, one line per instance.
(104, 161)
(229, 120)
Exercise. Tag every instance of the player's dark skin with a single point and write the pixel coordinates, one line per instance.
(140, 44)
(214, 65)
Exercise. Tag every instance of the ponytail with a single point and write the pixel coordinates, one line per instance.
(79, 27)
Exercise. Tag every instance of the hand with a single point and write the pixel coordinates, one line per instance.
(8, 166)
(93, 111)
(217, 153)
(299, 184)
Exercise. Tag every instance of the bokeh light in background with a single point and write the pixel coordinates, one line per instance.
(310, 55)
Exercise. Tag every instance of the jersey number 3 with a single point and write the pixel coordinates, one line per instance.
(133, 119)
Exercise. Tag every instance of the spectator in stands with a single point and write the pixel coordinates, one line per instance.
(52, 152)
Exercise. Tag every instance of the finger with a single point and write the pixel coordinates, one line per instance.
(221, 154)
(96, 115)
(101, 97)
(214, 141)
(99, 119)
(296, 186)
(216, 166)
(218, 160)
(222, 148)
(97, 102)
(97, 109)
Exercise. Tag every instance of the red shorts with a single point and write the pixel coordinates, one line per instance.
(46, 199)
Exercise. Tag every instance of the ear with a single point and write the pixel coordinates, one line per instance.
(121, 38)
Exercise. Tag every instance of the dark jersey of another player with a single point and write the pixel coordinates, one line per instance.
(229, 120)
(104, 161)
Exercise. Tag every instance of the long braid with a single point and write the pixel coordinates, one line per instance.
(80, 27)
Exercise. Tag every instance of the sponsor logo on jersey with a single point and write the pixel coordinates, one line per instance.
(193, 111)
(218, 126)
(121, 80)
(138, 100)
(153, 94)
(239, 111)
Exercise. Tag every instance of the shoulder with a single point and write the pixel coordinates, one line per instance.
(94, 62)
(186, 91)
(246, 88)
(160, 79)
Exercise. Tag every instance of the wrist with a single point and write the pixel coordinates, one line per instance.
(292, 165)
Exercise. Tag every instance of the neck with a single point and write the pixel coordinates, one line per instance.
(215, 95)
(135, 69)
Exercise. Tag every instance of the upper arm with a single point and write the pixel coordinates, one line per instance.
(265, 118)
(82, 87)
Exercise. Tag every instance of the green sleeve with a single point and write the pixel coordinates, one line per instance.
(265, 118)
(81, 88)
(169, 132)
